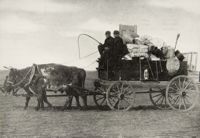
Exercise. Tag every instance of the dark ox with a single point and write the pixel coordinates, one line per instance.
(54, 76)
(20, 78)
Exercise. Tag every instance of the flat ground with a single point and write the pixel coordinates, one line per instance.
(143, 122)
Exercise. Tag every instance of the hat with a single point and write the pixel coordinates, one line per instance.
(107, 32)
(116, 32)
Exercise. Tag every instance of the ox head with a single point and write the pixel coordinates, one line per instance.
(11, 79)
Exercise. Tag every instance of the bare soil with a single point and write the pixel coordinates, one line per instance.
(144, 121)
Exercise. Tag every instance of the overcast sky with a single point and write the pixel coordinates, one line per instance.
(45, 31)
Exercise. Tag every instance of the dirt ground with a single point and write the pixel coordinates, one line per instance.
(141, 122)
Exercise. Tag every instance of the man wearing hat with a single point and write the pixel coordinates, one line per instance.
(106, 49)
(120, 49)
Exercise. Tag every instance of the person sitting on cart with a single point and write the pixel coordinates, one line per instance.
(119, 50)
(106, 49)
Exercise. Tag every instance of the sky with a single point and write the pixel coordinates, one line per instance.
(46, 31)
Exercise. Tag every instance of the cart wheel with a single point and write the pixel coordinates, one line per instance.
(158, 98)
(182, 93)
(120, 96)
(100, 99)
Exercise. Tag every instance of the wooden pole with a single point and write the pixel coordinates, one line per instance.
(177, 37)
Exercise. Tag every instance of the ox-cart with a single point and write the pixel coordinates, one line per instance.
(167, 89)
(177, 91)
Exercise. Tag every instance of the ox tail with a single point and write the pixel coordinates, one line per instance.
(83, 79)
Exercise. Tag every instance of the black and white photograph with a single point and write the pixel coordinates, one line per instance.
(99, 69)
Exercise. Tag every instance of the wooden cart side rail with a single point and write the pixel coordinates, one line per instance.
(137, 84)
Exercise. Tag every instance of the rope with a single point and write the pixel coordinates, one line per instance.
(90, 64)
(90, 54)
(79, 52)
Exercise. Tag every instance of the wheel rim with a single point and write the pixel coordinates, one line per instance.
(158, 98)
(182, 93)
(120, 96)
(100, 99)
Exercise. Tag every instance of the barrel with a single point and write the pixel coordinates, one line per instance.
(170, 53)
(172, 65)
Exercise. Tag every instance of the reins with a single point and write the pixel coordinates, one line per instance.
(79, 50)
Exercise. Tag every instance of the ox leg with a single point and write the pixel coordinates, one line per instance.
(68, 103)
(46, 100)
(40, 100)
(84, 101)
(38, 105)
(27, 101)
(77, 102)
(42, 103)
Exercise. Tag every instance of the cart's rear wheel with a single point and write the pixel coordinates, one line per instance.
(120, 96)
(158, 98)
(100, 99)
(182, 93)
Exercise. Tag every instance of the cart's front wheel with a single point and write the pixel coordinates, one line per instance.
(120, 96)
(100, 99)
(182, 93)
(158, 98)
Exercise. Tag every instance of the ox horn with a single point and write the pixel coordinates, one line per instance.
(6, 67)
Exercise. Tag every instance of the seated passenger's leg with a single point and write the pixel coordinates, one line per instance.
(101, 49)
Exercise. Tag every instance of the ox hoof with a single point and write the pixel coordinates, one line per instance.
(84, 108)
(50, 106)
(36, 108)
(66, 108)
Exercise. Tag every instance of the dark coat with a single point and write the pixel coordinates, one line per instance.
(119, 48)
(109, 42)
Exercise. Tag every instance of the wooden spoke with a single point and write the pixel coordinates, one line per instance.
(100, 98)
(184, 104)
(158, 99)
(112, 101)
(179, 80)
(174, 90)
(183, 85)
(187, 99)
(103, 101)
(156, 95)
(180, 103)
(162, 100)
(187, 85)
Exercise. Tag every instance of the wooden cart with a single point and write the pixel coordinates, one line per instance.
(177, 91)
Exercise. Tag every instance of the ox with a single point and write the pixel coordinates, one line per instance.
(52, 76)
(31, 81)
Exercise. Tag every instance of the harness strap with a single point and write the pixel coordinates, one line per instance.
(17, 84)
(30, 89)
(31, 76)
(35, 82)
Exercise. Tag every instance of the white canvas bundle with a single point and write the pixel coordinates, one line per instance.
(137, 50)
